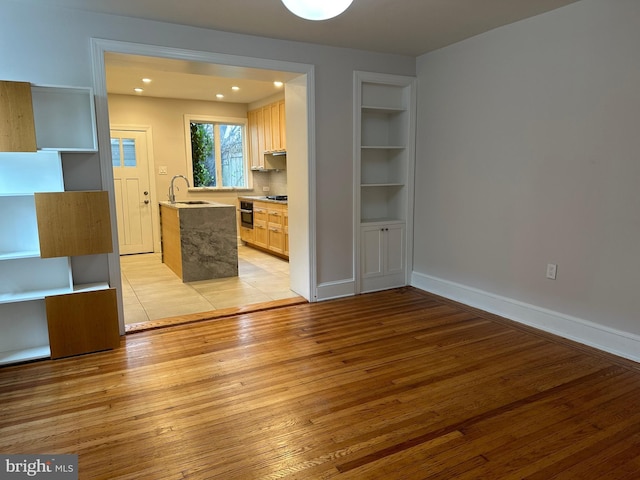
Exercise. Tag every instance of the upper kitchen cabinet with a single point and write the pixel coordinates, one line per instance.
(267, 134)
(384, 155)
(46, 118)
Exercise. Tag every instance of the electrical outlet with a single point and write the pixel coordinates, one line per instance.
(162, 170)
(265, 189)
(552, 270)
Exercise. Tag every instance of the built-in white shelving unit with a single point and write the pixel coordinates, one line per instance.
(64, 122)
(384, 160)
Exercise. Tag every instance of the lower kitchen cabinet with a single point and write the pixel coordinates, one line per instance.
(382, 259)
(247, 234)
(270, 228)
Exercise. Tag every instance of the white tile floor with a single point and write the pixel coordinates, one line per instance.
(152, 291)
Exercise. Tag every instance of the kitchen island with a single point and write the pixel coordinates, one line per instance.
(199, 239)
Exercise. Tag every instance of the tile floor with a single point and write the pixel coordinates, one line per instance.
(152, 291)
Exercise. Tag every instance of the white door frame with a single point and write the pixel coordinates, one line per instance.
(99, 47)
(153, 197)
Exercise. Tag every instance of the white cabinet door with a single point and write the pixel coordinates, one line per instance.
(371, 248)
(382, 256)
(394, 242)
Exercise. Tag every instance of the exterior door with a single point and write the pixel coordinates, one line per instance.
(133, 199)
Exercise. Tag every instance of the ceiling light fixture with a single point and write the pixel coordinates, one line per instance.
(146, 80)
(138, 90)
(235, 89)
(278, 84)
(219, 96)
(317, 9)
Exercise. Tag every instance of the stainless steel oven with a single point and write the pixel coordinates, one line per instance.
(246, 214)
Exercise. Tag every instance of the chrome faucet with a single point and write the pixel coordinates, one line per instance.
(172, 195)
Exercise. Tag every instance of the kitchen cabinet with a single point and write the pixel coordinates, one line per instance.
(270, 227)
(247, 234)
(44, 231)
(384, 144)
(199, 241)
(260, 216)
(286, 232)
(267, 133)
(275, 225)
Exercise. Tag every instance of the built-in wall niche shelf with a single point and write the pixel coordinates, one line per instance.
(384, 155)
(383, 202)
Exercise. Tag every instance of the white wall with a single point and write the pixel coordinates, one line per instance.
(52, 46)
(528, 153)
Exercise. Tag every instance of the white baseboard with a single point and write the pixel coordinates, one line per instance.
(331, 290)
(610, 340)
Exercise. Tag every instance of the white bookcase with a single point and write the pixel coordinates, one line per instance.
(64, 122)
(384, 149)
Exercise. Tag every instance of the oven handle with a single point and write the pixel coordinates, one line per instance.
(243, 210)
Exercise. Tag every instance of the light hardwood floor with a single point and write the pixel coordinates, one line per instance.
(151, 291)
(393, 385)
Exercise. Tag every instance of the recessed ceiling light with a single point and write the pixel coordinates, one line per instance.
(146, 80)
(219, 95)
(235, 89)
(278, 84)
(138, 90)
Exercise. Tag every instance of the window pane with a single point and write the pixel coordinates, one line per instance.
(232, 156)
(202, 154)
(115, 152)
(129, 152)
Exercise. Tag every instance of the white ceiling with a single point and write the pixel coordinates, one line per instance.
(190, 80)
(406, 27)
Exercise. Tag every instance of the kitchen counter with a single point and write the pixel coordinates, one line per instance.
(261, 199)
(195, 204)
(199, 240)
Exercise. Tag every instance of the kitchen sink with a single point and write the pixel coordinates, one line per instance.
(194, 202)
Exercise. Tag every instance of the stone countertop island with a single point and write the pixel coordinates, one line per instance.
(199, 239)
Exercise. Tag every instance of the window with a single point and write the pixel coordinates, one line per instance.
(216, 151)
(123, 149)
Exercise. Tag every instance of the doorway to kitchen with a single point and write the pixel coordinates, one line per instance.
(301, 214)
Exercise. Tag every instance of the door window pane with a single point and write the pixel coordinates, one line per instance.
(129, 152)
(115, 152)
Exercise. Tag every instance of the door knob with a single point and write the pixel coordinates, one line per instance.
(146, 202)
(146, 193)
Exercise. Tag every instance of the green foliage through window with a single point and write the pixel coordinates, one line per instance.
(217, 154)
(201, 154)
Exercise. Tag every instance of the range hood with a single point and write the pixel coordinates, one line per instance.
(273, 160)
(276, 153)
